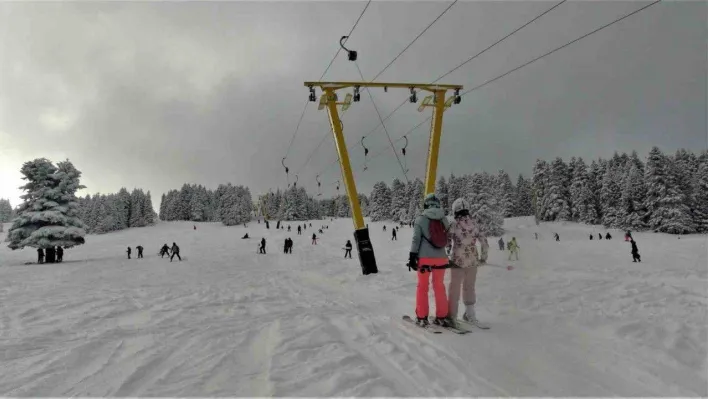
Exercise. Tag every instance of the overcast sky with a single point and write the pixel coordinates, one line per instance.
(153, 95)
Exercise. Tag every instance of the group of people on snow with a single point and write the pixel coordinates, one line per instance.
(52, 255)
(608, 236)
(512, 246)
(434, 239)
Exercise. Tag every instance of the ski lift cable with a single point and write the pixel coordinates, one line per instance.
(536, 59)
(403, 169)
(414, 40)
(462, 64)
(297, 127)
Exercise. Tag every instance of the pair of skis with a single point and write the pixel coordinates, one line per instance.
(467, 327)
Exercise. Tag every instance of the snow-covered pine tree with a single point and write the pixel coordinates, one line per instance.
(123, 205)
(49, 214)
(380, 202)
(666, 206)
(594, 183)
(633, 198)
(5, 210)
(416, 193)
(441, 191)
(700, 197)
(579, 179)
(556, 192)
(149, 214)
(523, 201)
(399, 200)
(610, 195)
(483, 205)
(198, 204)
(343, 208)
(506, 194)
(686, 167)
(137, 219)
(541, 180)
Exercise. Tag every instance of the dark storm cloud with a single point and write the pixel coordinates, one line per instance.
(157, 94)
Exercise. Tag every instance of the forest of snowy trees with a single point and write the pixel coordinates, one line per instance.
(6, 212)
(112, 212)
(664, 194)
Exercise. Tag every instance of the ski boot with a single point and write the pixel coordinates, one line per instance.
(471, 317)
(442, 322)
(422, 321)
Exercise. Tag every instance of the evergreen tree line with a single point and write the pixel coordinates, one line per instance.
(229, 204)
(105, 213)
(665, 194)
(295, 204)
(491, 198)
(6, 212)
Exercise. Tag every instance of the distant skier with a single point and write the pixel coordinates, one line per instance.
(310, 224)
(195, 227)
(245, 236)
(535, 235)
(591, 236)
(635, 252)
(262, 248)
(513, 248)
(427, 256)
(348, 249)
(277, 225)
(289, 228)
(393, 235)
(40, 255)
(285, 246)
(314, 238)
(304, 226)
(50, 255)
(558, 238)
(608, 236)
(267, 224)
(299, 230)
(60, 253)
(290, 245)
(321, 231)
(599, 236)
(140, 251)
(462, 242)
(129, 251)
(384, 229)
(165, 250)
(501, 243)
(175, 252)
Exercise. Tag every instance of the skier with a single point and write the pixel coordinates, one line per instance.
(384, 227)
(277, 225)
(140, 251)
(501, 243)
(195, 227)
(128, 251)
(310, 225)
(314, 238)
(245, 236)
(513, 248)
(290, 245)
(462, 245)
(608, 236)
(599, 235)
(393, 235)
(165, 250)
(635, 252)
(262, 249)
(558, 238)
(289, 228)
(50, 258)
(60, 254)
(175, 251)
(285, 246)
(304, 226)
(348, 249)
(535, 235)
(299, 230)
(40, 255)
(267, 224)
(591, 236)
(427, 256)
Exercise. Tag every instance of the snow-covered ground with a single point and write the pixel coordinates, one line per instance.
(573, 318)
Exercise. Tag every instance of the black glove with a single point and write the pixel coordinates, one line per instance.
(412, 261)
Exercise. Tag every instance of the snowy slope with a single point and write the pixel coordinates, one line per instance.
(574, 318)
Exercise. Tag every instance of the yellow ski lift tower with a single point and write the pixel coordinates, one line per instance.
(330, 100)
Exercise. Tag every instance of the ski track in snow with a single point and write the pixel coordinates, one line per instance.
(574, 318)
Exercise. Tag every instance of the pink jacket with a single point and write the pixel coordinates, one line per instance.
(462, 241)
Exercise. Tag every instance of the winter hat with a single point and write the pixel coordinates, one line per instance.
(459, 205)
(431, 201)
